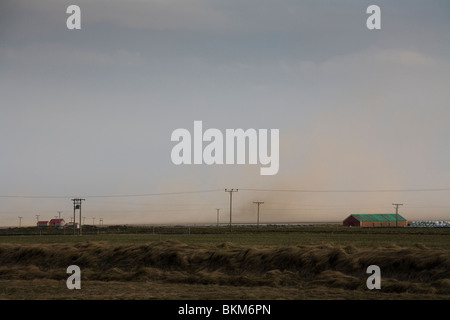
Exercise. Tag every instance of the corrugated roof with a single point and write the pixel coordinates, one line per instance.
(378, 217)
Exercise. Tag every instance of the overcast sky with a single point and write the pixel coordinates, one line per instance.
(90, 112)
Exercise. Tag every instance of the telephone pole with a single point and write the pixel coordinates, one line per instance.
(59, 214)
(76, 206)
(20, 221)
(396, 212)
(231, 201)
(258, 203)
(217, 216)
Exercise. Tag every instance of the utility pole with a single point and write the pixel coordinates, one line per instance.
(231, 201)
(59, 214)
(76, 206)
(258, 203)
(396, 212)
(37, 221)
(93, 221)
(217, 216)
(20, 221)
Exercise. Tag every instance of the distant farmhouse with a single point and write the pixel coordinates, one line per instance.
(57, 223)
(52, 223)
(375, 220)
(42, 223)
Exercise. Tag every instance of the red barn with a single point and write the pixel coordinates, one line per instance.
(42, 223)
(375, 220)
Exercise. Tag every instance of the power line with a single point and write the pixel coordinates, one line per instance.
(77, 206)
(218, 216)
(111, 196)
(216, 190)
(154, 194)
(336, 191)
(396, 212)
(230, 191)
(258, 203)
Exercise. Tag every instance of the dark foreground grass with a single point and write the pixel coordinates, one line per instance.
(231, 271)
(160, 290)
(292, 263)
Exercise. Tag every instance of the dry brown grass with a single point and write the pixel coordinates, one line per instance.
(323, 270)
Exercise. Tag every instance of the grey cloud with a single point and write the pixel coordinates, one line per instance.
(91, 112)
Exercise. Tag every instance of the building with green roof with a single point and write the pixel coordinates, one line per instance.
(375, 220)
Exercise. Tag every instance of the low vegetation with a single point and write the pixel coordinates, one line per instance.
(306, 262)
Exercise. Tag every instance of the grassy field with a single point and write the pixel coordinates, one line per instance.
(246, 235)
(274, 262)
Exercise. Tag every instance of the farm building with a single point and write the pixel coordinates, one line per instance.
(375, 220)
(57, 223)
(70, 225)
(42, 223)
